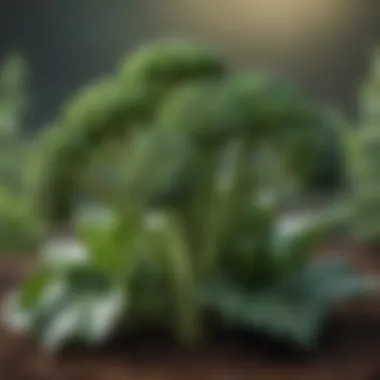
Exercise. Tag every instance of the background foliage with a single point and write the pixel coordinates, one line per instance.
(363, 157)
(20, 228)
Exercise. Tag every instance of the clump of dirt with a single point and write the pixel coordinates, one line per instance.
(351, 350)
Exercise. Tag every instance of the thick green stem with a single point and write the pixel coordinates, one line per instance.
(174, 251)
(194, 210)
(228, 195)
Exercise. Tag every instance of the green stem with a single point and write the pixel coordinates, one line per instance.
(201, 199)
(177, 260)
(229, 194)
(128, 235)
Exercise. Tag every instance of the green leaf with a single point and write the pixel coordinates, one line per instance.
(294, 309)
(57, 330)
(113, 240)
(13, 316)
(100, 317)
(335, 279)
(98, 231)
(89, 318)
(279, 315)
(25, 308)
(79, 305)
(33, 288)
(295, 241)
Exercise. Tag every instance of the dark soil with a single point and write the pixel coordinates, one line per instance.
(351, 350)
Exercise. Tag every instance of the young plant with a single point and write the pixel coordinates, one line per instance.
(186, 231)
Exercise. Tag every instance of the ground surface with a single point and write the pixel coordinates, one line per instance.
(353, 352)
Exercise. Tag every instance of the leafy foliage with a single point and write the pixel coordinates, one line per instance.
(186, 229)
(12, 106)
(295, 308)
(77, 302)
(363, 157)
(20, 227)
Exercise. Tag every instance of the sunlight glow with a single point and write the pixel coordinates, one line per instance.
(273, 21)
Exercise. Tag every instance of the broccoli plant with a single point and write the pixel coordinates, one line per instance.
(184, 231)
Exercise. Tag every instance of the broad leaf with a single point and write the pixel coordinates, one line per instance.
(81, 305)
(295, 309)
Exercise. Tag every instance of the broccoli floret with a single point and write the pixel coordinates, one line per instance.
(168, 63)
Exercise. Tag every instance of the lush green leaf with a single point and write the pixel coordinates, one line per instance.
(81, 305)
(295, 309)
